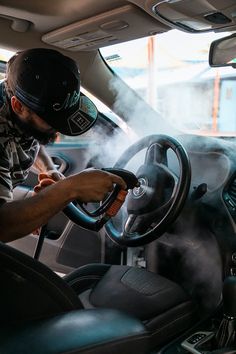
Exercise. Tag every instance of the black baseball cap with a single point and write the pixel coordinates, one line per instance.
(48, 83)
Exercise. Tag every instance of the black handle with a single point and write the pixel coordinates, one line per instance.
(131, 181)
(130, 178)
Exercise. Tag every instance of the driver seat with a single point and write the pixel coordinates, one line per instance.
(41, 314)
(32, 293)
(161, 304)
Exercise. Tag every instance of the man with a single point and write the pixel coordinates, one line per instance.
(40, 97)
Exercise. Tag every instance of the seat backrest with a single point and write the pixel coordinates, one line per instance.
(30, 290)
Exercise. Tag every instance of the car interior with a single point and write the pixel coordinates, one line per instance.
(158, 275)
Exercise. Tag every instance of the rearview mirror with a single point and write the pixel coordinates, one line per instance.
(223, 52)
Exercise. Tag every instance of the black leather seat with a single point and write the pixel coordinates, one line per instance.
(162, 305)
(32, 292)
(41, 314)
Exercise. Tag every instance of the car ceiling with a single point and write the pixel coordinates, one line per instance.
(100, 22)
(31, 20)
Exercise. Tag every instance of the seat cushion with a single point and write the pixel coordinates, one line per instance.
(137, 291)
(162, 305)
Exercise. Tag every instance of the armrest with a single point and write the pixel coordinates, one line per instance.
(95, 331)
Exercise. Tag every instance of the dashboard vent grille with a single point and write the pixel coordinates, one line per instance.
(232, 190)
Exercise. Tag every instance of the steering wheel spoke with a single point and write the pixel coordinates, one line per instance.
(132, 223)
(156, 154)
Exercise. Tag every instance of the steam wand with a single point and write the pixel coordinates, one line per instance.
(109, 207)
(118, 196)
(117, 193)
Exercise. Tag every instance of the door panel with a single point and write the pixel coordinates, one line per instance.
(66, 245)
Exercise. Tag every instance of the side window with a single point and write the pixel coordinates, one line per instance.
(5, 55)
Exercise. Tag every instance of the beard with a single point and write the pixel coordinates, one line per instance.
(29, 130)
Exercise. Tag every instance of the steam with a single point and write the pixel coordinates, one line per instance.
(110, 150)
(193, 251)
(141, 120)
(196, 262)
(137, 112)
(198, 253)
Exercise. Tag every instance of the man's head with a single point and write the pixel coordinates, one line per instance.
(44, 88)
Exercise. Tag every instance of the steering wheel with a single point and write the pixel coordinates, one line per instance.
(155, 205)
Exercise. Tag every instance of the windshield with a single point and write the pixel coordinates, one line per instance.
(171, 72)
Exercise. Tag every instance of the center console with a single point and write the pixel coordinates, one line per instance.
(217, 335)
(198, 341)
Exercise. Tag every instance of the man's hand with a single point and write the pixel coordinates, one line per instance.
(92, 185)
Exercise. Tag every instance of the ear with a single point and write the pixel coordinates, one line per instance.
(18, 108)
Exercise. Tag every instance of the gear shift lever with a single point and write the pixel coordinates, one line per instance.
(225, 335)
(224, 339)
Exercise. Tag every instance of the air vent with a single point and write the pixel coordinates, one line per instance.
(229, 197)
(232, 190)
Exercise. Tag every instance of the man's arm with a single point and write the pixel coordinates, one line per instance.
(20, 218)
